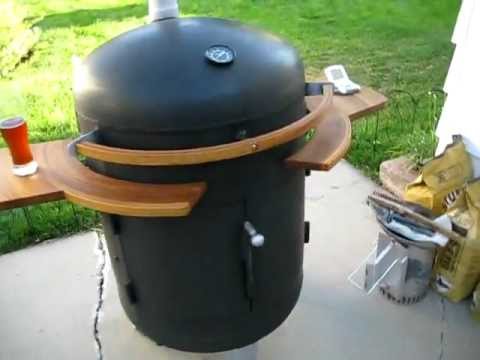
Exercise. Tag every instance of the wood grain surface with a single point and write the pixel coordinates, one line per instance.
(354, 106)
(328, 146)
(211, 153)
(95, 191)
(18, 191)
(58, 173)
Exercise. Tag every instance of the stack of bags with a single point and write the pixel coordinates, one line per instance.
(446, 186)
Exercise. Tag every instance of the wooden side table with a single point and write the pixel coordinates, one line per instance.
(333, 141)
(17, 191)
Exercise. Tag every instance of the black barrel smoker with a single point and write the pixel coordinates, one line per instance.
(230, 272)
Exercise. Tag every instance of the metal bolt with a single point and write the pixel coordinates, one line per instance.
(241, 134)
(256, 239)
(254, 147)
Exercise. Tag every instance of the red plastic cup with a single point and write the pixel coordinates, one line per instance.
(15, 133)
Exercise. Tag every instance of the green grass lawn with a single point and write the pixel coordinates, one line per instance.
(392, 45)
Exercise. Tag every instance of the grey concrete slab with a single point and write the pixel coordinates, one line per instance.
(461, 335)
(47, 298)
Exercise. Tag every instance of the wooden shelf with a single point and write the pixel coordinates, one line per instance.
(83, 186)
(328, 146)
(61, 177)
(354, 106)
(17, 191)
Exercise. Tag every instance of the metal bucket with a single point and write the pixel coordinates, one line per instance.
(407, 282)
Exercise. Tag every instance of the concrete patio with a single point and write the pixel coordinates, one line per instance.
(53, 294)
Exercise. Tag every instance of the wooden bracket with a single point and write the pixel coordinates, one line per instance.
(112, 196)
(328, 146)
(211, 153)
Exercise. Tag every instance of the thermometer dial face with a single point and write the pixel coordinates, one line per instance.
(220, 54)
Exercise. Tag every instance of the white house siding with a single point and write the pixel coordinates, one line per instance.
(461, 113)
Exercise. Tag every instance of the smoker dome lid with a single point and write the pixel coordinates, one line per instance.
(188, 74)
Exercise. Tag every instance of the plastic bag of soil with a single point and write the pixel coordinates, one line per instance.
(457, 267)
(476, 304)
(441, 176)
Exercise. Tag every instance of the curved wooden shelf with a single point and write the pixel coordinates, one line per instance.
(210, 153)
(330, 143)
(99, 192)
(48, 184)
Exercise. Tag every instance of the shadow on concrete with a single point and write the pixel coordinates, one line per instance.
(86, 17)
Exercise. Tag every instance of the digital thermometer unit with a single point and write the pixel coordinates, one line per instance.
(339, 77)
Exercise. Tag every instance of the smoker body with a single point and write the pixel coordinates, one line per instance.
(187, 283)
(196, 283)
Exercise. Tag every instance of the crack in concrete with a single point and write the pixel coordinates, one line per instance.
(443, 332)
(100, 289)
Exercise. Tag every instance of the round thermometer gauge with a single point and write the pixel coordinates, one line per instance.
(220, 54)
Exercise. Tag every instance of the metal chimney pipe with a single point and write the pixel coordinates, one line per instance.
(162, 9)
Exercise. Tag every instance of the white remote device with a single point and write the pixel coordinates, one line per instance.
(339, 77)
